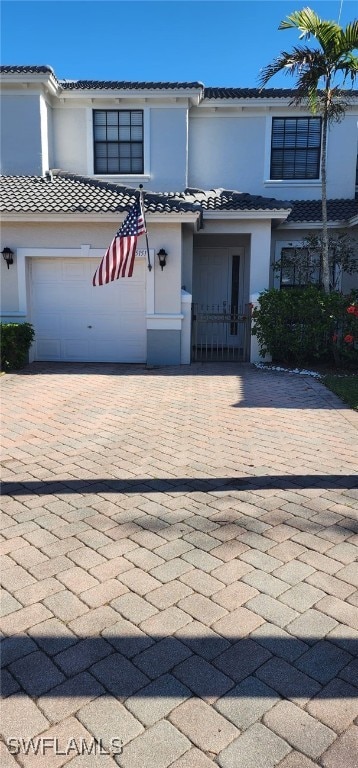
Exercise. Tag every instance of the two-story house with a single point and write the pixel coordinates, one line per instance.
(230, 178)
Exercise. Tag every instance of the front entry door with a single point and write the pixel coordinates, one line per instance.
(218, 287)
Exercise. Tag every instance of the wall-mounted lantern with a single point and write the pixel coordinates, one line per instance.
(162, 256)
(8, 256)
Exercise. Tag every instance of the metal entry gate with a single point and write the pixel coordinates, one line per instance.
(221, 332)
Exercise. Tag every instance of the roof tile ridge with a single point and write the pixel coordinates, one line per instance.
(168, 198)
(90, 181)
(155, 84)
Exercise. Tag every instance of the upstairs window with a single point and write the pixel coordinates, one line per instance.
(118, 141)
(295, 148)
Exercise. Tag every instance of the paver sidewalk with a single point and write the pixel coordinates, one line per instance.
(179, 569)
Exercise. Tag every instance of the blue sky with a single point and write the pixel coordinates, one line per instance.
(219, 42)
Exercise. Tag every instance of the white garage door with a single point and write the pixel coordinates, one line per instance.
(75, 322)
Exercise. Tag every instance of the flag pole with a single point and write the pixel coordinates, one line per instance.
(141, 195)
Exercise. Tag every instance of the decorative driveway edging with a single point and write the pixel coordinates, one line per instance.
(179, 575)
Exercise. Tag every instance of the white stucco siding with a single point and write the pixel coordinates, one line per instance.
(165, 144)
(227, 152)
(9, 300)
(21, 147)
(168, 281)
(70, 140)
(168, 149)
(341, 166)
(342, 147)
(233, 152)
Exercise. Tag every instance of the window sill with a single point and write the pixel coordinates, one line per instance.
(122, 176)
(292, 182)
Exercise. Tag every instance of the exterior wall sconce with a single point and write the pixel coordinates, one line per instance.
(162, 256)
(8, 256)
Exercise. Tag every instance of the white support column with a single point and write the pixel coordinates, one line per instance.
(185, 342)
(259, 273)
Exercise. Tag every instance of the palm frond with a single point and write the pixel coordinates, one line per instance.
(294, 62)
(315, 68)
(331, 37)
(307, 89)
(306, 21)
(348, 67)
(328, 35)
(350, 35)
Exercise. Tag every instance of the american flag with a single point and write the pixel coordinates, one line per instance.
(118, 261)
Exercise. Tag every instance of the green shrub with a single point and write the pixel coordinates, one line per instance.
(16, 340)
(303, 325)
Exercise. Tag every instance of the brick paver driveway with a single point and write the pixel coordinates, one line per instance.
(178, 565)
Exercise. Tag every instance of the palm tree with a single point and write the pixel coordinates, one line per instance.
(317, 70)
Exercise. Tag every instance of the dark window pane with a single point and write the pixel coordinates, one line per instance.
(100, 118)
(137, 133)
(101, 149)
(137, 118)
(124, 118)
(137, 166)
(299, 268)
(137, 150)
(124, 133)
(124, 150)
(100, 132)
(112, 133)
(113, 165)
(118, 141)
(295, 148)
(101, 166)
(112, 118)
(112, 150)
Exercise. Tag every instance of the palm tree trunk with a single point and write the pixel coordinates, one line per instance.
(325, 246)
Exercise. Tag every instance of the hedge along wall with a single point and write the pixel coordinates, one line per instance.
(16, 340)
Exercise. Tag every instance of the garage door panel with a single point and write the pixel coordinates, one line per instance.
(48, 325)
(76, 350)
(48, 349)
(74, 321)
(46, 270)
(131, 298)
(76, 325)
(74, 269)
(45, 296)
(53, 296)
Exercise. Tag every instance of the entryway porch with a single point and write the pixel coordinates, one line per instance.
(221, 315)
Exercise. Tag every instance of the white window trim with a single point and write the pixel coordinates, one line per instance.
(275, 183)
(145, 176)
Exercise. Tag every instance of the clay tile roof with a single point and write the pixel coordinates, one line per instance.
(63, 192)
(232, 200)
(311, 210)
(257, 93)
(127, 85)
(107, 85)
(71, 193)
(248, 93)
(14, 69)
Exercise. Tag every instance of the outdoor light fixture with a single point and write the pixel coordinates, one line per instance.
(162, 256)
(8, 256)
